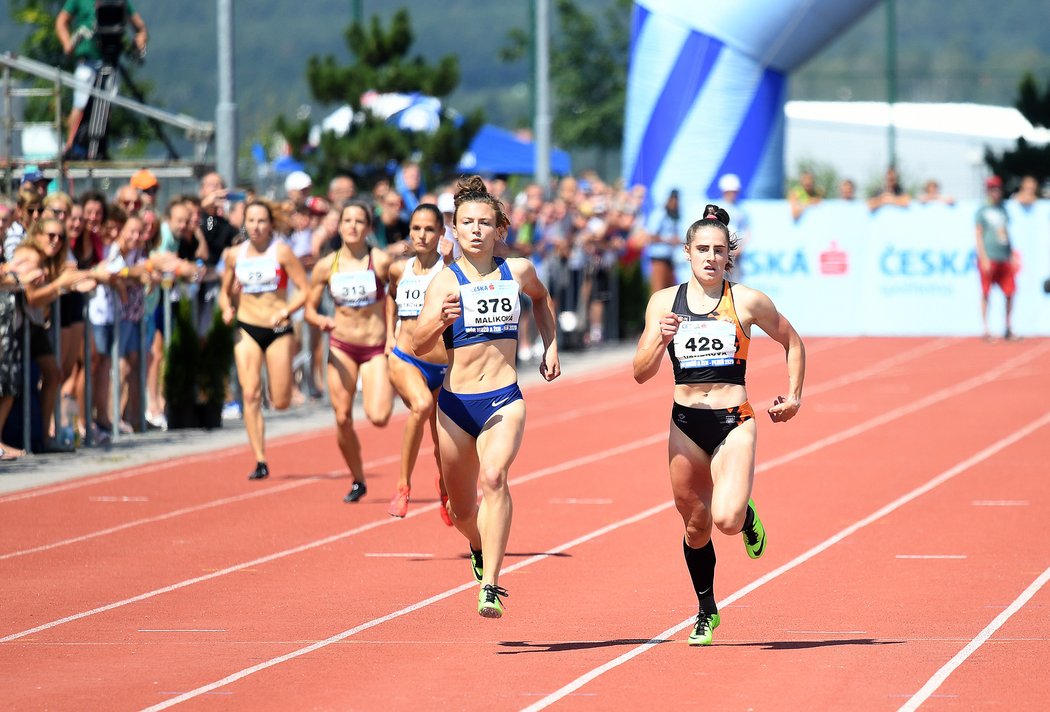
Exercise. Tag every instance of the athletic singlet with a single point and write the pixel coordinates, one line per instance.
(412, 287)
(489, 309)
(360, 288)
(711, 347)
(262, 273)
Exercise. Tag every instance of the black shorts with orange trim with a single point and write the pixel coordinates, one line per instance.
(709, 427)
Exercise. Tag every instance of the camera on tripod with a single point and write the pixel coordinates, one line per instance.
(111, 24)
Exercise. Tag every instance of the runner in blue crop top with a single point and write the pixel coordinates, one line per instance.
(475, 306)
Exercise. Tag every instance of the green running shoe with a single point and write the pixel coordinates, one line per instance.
(703, 631)
(489, 603)
(477, 565)
(755, 537)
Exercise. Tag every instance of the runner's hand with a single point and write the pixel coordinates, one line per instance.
(450, 308)
(669, 326)
(783, 409)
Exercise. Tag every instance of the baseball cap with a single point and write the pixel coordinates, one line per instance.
(144, 180)
(993, 182)
(33, 174)
(297, 180)
(729, 183)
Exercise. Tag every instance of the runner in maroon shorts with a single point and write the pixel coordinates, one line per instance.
(356, 275)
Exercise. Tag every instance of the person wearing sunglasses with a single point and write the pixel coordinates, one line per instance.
(28, 209)
(45, 247)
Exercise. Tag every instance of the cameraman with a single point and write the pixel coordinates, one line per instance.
(75, 27)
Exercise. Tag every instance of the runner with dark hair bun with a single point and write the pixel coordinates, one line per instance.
(705, 326)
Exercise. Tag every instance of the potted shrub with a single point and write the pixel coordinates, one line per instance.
(213, 369)
(180, 368)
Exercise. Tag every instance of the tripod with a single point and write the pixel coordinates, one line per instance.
(90, 141)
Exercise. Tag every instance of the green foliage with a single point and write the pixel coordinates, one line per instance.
(216, 358)
(634, 295)
(1026, 159)
(589, 74)
(182, 358)
(382, 64)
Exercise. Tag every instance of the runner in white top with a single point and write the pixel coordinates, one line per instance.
(416, 377)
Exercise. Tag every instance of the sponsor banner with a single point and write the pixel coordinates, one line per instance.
(841, 270)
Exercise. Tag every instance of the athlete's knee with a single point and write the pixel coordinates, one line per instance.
(422, 406)
(729, 520)
(492, 478)
(252, 397)
(281, 401)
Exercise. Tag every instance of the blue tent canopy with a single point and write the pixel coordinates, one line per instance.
(497, 150)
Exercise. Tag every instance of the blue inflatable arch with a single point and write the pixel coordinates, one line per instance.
(706, 87)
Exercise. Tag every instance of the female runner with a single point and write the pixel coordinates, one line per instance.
(416, 377)
(356, 276)
(474, 305)
(705, 325)
(254, 289)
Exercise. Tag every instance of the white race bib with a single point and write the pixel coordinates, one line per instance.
(705, 343)
(410, 292)
(490, 307)
(353, 289)
(257, 274)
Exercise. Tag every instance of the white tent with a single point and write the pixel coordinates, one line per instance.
(945, 142)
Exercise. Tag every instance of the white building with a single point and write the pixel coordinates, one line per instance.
(942, 141)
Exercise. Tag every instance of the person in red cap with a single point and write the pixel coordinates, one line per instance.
(996, 258)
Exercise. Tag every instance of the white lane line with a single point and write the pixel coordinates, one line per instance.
(1000, 503)
(573, 687)
(151, 468)
(575, 500)
(798, 560)
(546, 422)
(292, 439)
(210, 687)
(931, 556)
(125, 498)
(1006, 367)
(162, 517)
(949, 667)
(416, 511)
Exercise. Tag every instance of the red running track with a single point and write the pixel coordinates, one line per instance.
(906, 564)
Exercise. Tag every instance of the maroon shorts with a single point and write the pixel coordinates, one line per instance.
(1001, 273)
(360, 354)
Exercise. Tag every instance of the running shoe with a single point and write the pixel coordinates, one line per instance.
(755, 537)
(704, 628)
(477, 565)
(489, 603)
(356, 492)
(443, 511)
(399, 504)
(261, 472)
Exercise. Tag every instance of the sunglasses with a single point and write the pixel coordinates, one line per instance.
(33, 211)
(55, 235)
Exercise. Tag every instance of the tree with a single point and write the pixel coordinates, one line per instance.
(588, 72)
(382, 64)
(1026, 159)
(42, 45)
